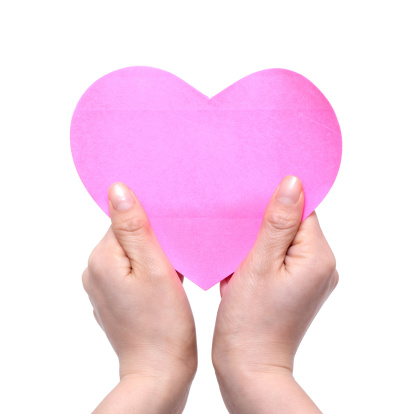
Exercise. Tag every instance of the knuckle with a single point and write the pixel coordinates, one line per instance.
(133, 225)
(96, 260)
(93, 261)
(327, 266)
(281, 220)
(330, 263)
(335, 280)
(85, 280)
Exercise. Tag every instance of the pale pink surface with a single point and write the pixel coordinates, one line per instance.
(205, 168)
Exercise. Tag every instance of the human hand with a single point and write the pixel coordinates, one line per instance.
(267, 306)
(140, 303)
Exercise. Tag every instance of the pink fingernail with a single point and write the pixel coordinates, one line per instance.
(289, 190)
(121, 197)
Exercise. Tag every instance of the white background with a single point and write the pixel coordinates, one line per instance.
(357, 356)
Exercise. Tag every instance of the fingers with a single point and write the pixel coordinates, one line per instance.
(130, 223)
(224, 284)
(281, 221)
(85, 282)
(310, 228)
(98, 320)
(180, 275)
(308, 238)
(335, 280)
(310, 242)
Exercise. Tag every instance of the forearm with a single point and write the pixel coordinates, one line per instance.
(135, 395)
(266, 393)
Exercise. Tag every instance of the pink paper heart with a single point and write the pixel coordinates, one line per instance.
(205, 168)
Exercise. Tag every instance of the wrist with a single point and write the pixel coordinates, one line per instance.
(244, 364)
(138, 393)
(159, 370)
(242, 385)
(158, 394)
(263, 391)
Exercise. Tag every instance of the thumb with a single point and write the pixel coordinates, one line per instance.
(281, 220)
(130, 223)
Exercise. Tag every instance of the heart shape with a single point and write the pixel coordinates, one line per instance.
(205, 168)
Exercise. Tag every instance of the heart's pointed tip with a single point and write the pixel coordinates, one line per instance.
(205, 284)
(206, 288)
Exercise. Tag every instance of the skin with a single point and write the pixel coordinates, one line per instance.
(267, 305)
(140, 303)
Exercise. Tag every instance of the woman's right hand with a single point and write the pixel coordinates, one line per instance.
(140, 303)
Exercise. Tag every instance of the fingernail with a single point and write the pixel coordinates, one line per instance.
(121, 197)
(289, 190)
